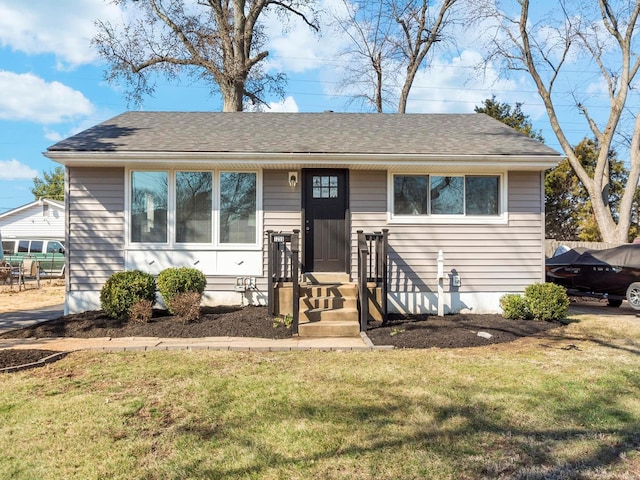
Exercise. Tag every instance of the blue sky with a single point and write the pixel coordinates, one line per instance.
(51, 83)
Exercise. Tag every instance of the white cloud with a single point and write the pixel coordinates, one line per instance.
(297, 47)
(14, 170)
(64, 29)
(287, 105)
(28, 97)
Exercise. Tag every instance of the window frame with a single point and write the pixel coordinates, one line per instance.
(172, 244)
(501, 218)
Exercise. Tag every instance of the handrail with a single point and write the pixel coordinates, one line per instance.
(372, 267)
(284, 266)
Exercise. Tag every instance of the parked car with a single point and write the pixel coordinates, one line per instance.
(49, 253)
(613, 273)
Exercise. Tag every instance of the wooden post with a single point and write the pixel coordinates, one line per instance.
(270, 286)
(295, 268)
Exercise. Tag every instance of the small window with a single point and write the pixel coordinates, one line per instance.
(36, 246)
(23, 246)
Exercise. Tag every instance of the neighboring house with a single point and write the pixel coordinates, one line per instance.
(150, 190)
(40, 219)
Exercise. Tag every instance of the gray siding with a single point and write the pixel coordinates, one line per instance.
(488, 258)
(282, 210)
(95, 244)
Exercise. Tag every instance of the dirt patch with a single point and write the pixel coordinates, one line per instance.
(13, 357)
(453, 331)
(29, 296)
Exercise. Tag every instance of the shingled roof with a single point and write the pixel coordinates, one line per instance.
(318, 133)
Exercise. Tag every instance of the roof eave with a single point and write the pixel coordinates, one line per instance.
(301, 159)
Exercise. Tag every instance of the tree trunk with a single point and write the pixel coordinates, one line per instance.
(232, 96)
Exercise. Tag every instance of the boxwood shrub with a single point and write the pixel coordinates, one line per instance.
(547, 301)
(514, 307)
(541, 301)
(175, 280)
(124, 289)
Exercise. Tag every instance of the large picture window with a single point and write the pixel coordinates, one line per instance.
(194, 208)
(416, 196)
(149, 195)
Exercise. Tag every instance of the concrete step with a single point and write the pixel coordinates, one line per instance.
(328, 302)
(326, 277)
(329, 290)
(318, 315)
(329, 329)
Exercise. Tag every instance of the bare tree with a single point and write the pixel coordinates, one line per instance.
(369, 52)
(218, 41)
(393, 37)
(603, 33)
(420, 28)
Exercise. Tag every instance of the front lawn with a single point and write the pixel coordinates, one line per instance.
(556, 407)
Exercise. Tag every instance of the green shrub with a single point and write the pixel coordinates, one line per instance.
(514, 306)
(547, 301)
(175, 280)
(124, 289)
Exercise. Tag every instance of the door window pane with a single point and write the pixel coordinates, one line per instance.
(149, 193)
(482, 195)
(410, 195)
(194, 195)
(36, 246)
(238, 207)
(447, 195)
(325, 186)
(23, 246)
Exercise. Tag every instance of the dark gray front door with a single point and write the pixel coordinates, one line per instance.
(326, 238)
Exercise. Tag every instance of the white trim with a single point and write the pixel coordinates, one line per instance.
(82, 301)
(283, 161)
(501, 219)
(171, 244)
(454, 302)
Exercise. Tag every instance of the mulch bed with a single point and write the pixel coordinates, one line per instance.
(416, 331)
(453, 331)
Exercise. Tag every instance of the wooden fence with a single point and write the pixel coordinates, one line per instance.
(550, 246)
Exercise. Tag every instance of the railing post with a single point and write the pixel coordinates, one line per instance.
(363, 291)
(270, 274)
(385, 267)
(295, 268)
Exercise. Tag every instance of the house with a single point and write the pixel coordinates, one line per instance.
(149, 190)
(43, 218)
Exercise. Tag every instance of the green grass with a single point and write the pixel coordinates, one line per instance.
(562, 408)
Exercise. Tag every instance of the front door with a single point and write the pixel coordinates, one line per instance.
(326, 229)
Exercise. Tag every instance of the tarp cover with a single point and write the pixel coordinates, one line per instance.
(622, 256)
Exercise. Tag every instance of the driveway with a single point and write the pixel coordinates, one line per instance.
(586, 306)
(13, 320)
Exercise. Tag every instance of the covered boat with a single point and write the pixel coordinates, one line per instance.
(613, 273)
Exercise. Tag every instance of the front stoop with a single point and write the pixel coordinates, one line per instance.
(329, 310)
